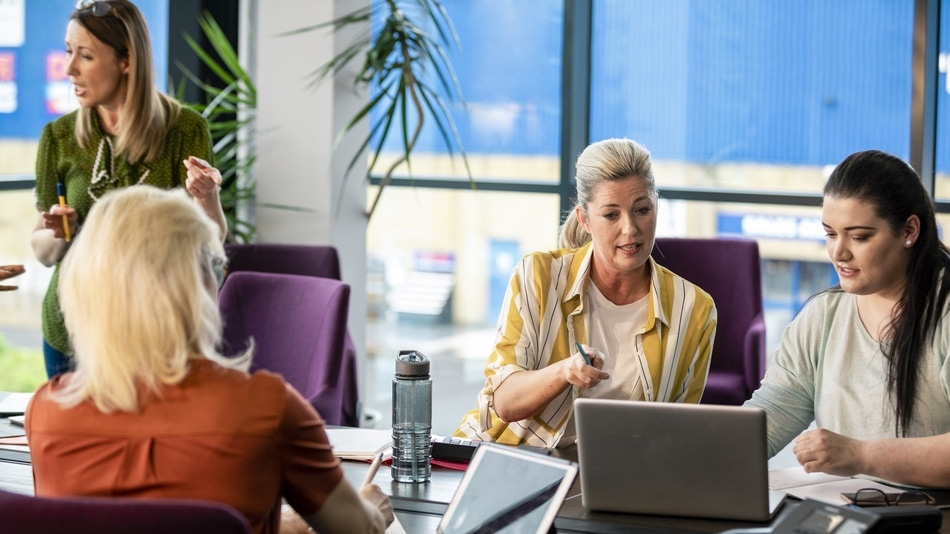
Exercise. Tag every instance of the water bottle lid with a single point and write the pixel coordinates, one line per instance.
(412, 363)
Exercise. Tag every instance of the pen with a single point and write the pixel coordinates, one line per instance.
(373, 467)
(60, 190)
(583, 354)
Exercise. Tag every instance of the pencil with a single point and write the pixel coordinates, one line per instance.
(373, 467)
(583, 354)
(62, 202)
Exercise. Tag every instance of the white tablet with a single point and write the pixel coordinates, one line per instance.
(509, 490)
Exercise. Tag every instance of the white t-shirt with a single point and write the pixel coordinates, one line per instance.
(610, 329)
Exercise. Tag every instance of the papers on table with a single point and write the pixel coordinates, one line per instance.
(14, 403)
(14, 443)
(361, 443)
(818, 486)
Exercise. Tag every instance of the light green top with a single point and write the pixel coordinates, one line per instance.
(90, 172)
(829, 369)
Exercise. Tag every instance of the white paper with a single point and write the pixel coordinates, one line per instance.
(818, 486)
(792, 477)
(15, 403)
(14, 443)
(359, 443)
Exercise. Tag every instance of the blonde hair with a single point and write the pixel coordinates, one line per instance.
(147, 115)
(139, 295)
(607, 160)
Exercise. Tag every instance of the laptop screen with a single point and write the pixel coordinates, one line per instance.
(508, 490)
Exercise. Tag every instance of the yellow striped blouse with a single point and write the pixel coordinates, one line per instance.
(544, 315)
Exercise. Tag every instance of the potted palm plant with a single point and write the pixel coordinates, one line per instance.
(230, 111)
(409, 77)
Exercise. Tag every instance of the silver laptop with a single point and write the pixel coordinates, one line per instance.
(694, 460)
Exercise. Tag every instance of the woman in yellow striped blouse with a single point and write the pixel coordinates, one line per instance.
(647, 332)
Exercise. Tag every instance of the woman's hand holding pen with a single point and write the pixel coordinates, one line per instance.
(373, 494)
(203, 179)
(53, 220)
(577, 371)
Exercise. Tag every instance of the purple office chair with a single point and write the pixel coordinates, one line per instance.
(308, 260)
(298, 324)
(23, 514)
(729, 269)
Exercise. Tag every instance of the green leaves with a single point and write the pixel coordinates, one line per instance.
(231, 113)
(406, 63)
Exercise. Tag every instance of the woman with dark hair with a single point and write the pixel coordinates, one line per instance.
(867, 359)
(124, 133)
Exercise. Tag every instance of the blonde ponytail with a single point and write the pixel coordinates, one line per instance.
(572, 234)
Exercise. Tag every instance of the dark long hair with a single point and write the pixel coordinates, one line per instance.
(895, 191)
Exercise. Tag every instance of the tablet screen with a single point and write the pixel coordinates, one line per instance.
(508, 490)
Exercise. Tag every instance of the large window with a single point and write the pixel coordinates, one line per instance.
(508, 63)
(942, 89)
(742, 94)
(745, 105)
(441, 256)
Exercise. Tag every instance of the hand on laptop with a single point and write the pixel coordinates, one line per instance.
(577, 372)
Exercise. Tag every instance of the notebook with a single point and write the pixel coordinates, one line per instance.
(692, 460)
(508, 490)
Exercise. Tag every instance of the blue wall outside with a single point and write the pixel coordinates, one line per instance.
(44, 31)
(783, 82)
(787, 83)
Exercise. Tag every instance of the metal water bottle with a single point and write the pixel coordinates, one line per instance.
(412, 418)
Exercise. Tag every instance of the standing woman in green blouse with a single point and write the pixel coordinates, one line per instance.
(126, 132)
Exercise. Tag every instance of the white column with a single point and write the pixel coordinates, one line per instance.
(301, 194)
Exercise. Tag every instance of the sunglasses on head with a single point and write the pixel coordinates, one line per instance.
(99, 8)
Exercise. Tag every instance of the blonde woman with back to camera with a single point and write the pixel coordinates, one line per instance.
(647, 332)
(152, 410)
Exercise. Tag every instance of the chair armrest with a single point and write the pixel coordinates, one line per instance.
(328, 401)
(753, 351)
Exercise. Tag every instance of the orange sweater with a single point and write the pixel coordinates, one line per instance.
(220, 435)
